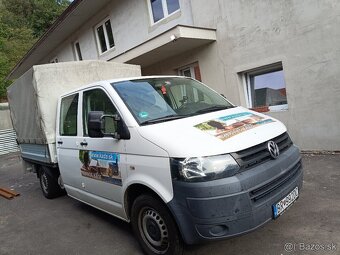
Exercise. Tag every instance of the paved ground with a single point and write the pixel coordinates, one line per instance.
(31, 224)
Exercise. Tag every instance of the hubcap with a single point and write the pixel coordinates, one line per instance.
(153, 230)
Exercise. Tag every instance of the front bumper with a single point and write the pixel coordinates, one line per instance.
(235, 205)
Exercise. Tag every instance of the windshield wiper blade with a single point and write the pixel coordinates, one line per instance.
(214, 108)
(164, 118)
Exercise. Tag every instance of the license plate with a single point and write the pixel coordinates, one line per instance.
(284, 203)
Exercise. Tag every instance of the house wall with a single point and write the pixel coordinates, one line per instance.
(302, 34)
(211, 68)
(305, 36)
(131, 25)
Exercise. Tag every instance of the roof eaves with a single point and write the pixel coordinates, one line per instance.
(55, 24)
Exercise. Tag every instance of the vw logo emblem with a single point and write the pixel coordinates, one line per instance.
(273, 149)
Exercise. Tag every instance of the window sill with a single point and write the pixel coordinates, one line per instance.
(275, 108)
(172, 16)
(106, 52)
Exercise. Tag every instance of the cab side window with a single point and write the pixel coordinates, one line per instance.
(68, 115)
(97, 100)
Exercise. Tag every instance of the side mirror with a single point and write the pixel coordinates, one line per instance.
(94, 124)
(98, 123)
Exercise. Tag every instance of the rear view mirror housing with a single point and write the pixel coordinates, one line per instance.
(96, 126)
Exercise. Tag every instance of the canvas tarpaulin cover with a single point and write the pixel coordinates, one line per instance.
(34, 96)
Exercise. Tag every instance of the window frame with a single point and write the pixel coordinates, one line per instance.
(107, 42)
(188, 68)
(54, 60)
(246, 79)
(194, 69)
(165, 11)
(78, 58)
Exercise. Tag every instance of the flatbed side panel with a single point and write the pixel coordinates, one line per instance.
(36, 152)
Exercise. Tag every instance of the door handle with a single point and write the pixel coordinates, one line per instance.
(60, 142)
(83, 143)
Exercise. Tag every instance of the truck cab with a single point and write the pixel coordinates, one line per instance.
(174, 158)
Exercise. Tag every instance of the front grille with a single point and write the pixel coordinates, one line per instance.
(258, 154)
(264, 191)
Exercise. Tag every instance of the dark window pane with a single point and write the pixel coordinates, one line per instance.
(173, 5)
(187, 72)
(78, 51)
(269, 89)
(109, 33)
(68, 115)
(101, 37)
(157, 10)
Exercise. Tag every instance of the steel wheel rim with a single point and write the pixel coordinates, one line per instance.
(153, 230)
(44, 182)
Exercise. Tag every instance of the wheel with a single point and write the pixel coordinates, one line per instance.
(49, 185)
(154, 226)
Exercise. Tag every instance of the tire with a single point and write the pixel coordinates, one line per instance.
(49, 185)
(154, 226)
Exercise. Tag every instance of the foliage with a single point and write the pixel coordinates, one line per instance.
(22, 22)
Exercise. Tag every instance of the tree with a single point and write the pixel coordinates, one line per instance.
(22, 22)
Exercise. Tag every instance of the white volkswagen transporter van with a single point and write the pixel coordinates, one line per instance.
(174, 158)
(166, 153)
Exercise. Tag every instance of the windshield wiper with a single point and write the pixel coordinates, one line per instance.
(163, 119)
(214, 108)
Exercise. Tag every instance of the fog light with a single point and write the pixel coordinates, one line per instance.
(219, 230)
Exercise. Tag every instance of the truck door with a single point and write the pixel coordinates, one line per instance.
(103, 159)
(67, 148)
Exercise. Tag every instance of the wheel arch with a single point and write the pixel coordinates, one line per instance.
(52, 171)
(136, 189)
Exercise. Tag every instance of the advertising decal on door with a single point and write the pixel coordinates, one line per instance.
(102, 166)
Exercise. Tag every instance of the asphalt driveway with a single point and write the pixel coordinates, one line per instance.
(31, 224)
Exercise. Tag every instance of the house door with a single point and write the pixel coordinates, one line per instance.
(192, 71)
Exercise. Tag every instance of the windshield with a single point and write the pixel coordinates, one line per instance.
(162, 99)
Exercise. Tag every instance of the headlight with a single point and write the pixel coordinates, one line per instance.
(203, 168)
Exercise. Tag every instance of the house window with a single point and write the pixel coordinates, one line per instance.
(192, 71)
(187, 72)
(54, 60)
(104, 36)
(161, 9)
(77, 51)
(266, 88)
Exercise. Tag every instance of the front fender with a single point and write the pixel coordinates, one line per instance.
(155, 185)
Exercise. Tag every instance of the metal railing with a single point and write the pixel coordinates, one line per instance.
(8, 141)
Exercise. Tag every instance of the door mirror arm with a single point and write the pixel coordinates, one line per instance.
(122, 130)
